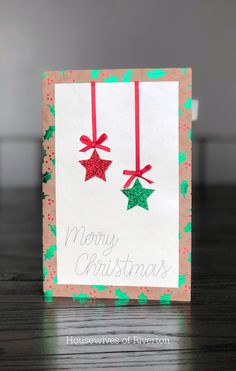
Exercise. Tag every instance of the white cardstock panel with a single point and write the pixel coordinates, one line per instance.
(113, 245)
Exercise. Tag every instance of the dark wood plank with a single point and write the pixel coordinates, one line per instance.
(202, 335)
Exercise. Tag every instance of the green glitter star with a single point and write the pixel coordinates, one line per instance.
(137, 195)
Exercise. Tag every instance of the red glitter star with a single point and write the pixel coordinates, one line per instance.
(95, 166)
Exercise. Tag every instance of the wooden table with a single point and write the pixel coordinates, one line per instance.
(201, 335)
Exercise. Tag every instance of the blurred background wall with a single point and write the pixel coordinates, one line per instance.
(38, 35)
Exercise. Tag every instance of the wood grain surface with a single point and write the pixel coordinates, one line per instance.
(202, 334)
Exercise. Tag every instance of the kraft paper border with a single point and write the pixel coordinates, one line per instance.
(122, 294)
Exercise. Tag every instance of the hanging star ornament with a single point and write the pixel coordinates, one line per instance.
(137, 195)
(95, 166)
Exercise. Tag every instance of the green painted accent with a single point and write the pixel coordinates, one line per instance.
(44, 196)
(190, 257)
(63, 73)
(121, 294)
(95, 73)
(137, 195)
(142, 298)
(48, 293)
(179, 112)
(47, 176)
(183, 70)
(165, 298)
(190, 134)
(43, 75)
(45, 272)
(182, 156)
(182, 280)
(127, 76)
(55, 280)
(121, 302)
(190, 86)
(156, 74)
(48, 296)
(180, 237)
(184, 188)
(99, 287)
(49, 132)
(50, 252)
(111, 79)
(188, 103)
(81, 297)
(53, 229)
(54, 161)
(52, 109)
(188, 227)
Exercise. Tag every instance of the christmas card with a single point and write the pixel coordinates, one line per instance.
(117, 184)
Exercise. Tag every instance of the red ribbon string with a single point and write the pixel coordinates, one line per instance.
(137, 172)
(91, 144)
(93, 103)
(94, 143)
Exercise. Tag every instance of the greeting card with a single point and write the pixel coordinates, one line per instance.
(117, 184)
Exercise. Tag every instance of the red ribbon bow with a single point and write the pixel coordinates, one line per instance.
(94, 144)
(137, 173)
